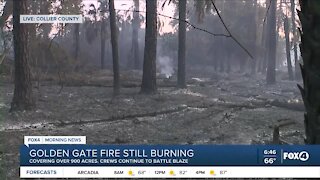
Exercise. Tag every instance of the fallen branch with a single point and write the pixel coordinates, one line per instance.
(75, 84)
(119, 118)
(286, 105)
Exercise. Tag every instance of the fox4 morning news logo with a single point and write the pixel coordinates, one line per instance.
(300, 156)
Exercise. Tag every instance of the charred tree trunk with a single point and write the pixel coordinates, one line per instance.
(149, 79)
(289, 65)
(114, 44)
(261, 66)
(135, 35)
(266, 40)
(266, 48)
(310, 45)
(223, 42)
(76, 41)
(279, 18)
(294, 32)
(272, 36)
(103, 43)
(253, 62)
(22, 97)
(182, 44)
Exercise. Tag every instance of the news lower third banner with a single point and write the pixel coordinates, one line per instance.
(71, 157)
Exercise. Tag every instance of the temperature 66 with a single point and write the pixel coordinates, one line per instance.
(269, 160)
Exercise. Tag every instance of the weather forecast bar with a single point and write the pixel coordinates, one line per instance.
(170, 172)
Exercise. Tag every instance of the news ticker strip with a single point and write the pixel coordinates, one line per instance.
(170, 172)
(168, 155)
(71, 157)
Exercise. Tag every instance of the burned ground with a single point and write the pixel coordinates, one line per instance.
(213, 109)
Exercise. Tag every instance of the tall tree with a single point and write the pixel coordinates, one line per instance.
(135, 34)
(149, 79)
(22, 97)
(223, 59)
(103, 33)
(255, 35)
(286, 32)
(182, 44)
(102, 43)
(76, 41)
(294, 32)
(271, 69)
(279, 20)
(114, 44)
(265, 41)
(261, 65)
(309, 47)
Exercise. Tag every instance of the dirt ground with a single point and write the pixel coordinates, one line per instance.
(213, 109)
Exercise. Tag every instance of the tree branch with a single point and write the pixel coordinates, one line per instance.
(229, 33)
(265, 17)
(189, 23)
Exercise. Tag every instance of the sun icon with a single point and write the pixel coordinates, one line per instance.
(212, 172)
(171, 173)
(130, 173)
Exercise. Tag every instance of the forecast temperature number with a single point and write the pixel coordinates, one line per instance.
(269, 156)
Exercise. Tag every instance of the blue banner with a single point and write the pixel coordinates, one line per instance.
(170, 155)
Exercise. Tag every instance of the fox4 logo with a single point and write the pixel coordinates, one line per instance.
(301, 156)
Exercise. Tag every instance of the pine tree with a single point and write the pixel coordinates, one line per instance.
(271, 69)
(286, 31)
(115, 50)
(22, 97)
(149, 79)
(310, 45)
(103, 33)
(135, 35)
(182, 44)
(295, 48)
